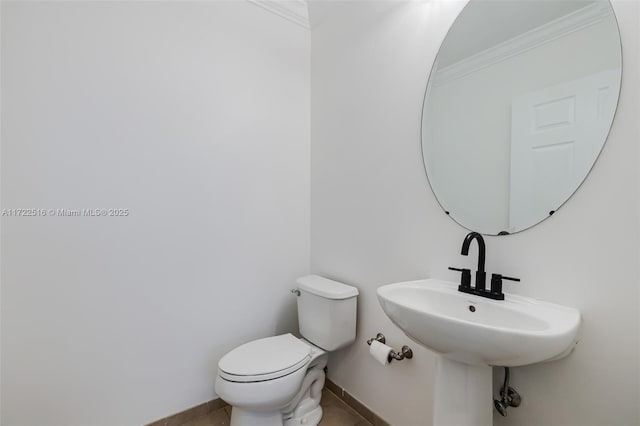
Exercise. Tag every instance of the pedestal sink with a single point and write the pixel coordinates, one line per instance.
(471, 334)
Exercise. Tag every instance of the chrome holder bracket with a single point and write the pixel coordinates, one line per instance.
(404, 353)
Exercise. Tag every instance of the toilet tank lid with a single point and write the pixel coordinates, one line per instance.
(325, 287)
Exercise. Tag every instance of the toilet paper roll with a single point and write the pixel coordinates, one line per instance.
(380, 352)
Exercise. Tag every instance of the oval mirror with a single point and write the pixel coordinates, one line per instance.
(518, 106)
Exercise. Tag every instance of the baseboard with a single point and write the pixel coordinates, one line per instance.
(352, 402)
(190, 413)
(215, 404)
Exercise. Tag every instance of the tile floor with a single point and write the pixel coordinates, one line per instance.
(336, 413)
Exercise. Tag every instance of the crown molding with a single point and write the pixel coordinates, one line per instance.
(295, 11)
(553, 30)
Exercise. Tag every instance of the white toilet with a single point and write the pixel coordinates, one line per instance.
(278, 380)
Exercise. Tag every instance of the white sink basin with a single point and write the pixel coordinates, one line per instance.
(475, 330)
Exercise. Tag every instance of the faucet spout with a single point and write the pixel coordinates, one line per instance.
(481, 248)
(480, 288)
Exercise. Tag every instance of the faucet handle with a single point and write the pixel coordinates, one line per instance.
(496, 285)
(465, 279)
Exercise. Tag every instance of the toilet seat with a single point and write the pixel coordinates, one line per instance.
(265, 359)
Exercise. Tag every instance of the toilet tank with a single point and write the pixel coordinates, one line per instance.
(327, 312)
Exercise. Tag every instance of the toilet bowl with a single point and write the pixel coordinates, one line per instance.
(273, 381)
(278, 380)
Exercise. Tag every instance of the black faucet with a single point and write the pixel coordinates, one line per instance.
(480, 288)
(481, 276)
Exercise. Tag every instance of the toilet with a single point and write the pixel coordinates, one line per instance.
(278, 381)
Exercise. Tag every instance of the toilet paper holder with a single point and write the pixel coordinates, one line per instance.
(405, 351)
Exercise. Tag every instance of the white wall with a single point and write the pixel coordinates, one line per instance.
(375, 221)
(195, 117)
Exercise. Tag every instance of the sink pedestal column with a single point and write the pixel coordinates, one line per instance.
(463, 394)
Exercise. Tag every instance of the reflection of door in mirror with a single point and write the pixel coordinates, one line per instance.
(556, 133)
